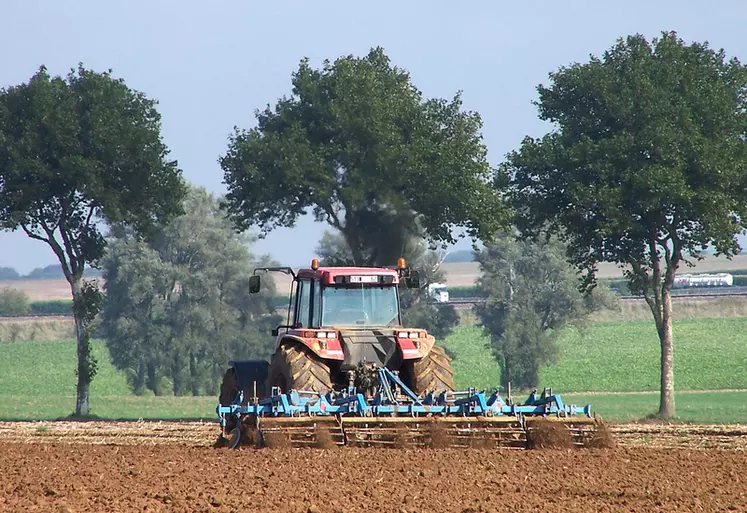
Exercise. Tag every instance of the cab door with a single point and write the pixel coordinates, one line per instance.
(308, 304)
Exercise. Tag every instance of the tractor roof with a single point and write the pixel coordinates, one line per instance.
(327, 275)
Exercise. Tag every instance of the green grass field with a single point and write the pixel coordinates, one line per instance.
(697, 407)
(37, 379)
(710, 354)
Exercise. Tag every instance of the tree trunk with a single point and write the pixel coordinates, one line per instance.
(84, 381)
(194, 382)
(666, 404)
(153, 382)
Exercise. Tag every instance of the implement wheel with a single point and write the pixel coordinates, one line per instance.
(433, 372)
(295, 367)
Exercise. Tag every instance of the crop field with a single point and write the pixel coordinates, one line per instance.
(616, 362)
(710, 354)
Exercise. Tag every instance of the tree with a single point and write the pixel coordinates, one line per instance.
(333, 251)
(358, 145)
(178, 308)
(646, 167)
(531, 295)
(8, 273)
(76, 152)
(14, 302)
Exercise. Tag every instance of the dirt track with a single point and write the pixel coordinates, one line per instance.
(170, 467)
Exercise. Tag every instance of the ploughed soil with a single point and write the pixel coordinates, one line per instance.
(71, 467)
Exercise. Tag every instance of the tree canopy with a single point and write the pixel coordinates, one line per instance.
(358, 145)
(178, 308)
(646, 166)
(76, 152)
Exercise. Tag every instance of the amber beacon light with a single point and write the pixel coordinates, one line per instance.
(315, 264)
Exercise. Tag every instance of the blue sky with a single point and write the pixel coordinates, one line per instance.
(211, 65)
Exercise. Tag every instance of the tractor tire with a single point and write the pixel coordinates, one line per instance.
(433, 372)
(297, 368)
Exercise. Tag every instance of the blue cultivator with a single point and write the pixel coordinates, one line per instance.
(394, 415)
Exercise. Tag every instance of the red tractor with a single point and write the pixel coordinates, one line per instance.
(343, 322)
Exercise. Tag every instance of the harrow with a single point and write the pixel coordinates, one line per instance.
(393, 415)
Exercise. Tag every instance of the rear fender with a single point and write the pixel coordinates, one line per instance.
(327, 349)
(415, 348)
(251, 373)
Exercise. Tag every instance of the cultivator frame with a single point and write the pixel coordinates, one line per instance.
(395, 416)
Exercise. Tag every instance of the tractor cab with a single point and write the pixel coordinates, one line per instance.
(344, 297)
(349, 315)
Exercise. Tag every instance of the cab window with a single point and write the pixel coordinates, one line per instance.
(303, 303)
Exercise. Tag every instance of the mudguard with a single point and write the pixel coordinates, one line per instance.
(249, 372)
(327, 349)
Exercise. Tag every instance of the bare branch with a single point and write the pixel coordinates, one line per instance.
(91, 210)
(650, 301)
(67, 268)
(33, 235)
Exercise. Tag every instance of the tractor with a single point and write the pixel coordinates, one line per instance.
(346, 371)
(343, 323)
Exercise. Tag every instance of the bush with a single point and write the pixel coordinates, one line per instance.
(13, 302)
(54, 307)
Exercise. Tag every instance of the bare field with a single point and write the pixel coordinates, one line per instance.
(683, 308)
(40, 290)
(464, 274)
(203, 434)
(94, 466)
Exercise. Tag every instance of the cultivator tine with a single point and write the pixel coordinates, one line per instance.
(322, 432)
(460, 432)
(577, 431)
(434, 432)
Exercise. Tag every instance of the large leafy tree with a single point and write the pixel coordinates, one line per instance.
(177, 308)
(358, 145)
(531, 295)
(646, 167)
(76, 152)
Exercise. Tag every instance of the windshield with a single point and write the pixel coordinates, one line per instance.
(359, 306)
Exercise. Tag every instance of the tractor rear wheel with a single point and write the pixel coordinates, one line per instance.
(295, 367)
(433, 372)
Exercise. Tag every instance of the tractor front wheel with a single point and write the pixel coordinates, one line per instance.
(433, 372)
(297, 368)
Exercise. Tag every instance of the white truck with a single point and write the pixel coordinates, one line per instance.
(439, 292)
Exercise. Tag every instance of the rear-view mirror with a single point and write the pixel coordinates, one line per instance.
(253, 284)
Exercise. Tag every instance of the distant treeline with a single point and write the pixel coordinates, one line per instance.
(465, 255)
(50, 272)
